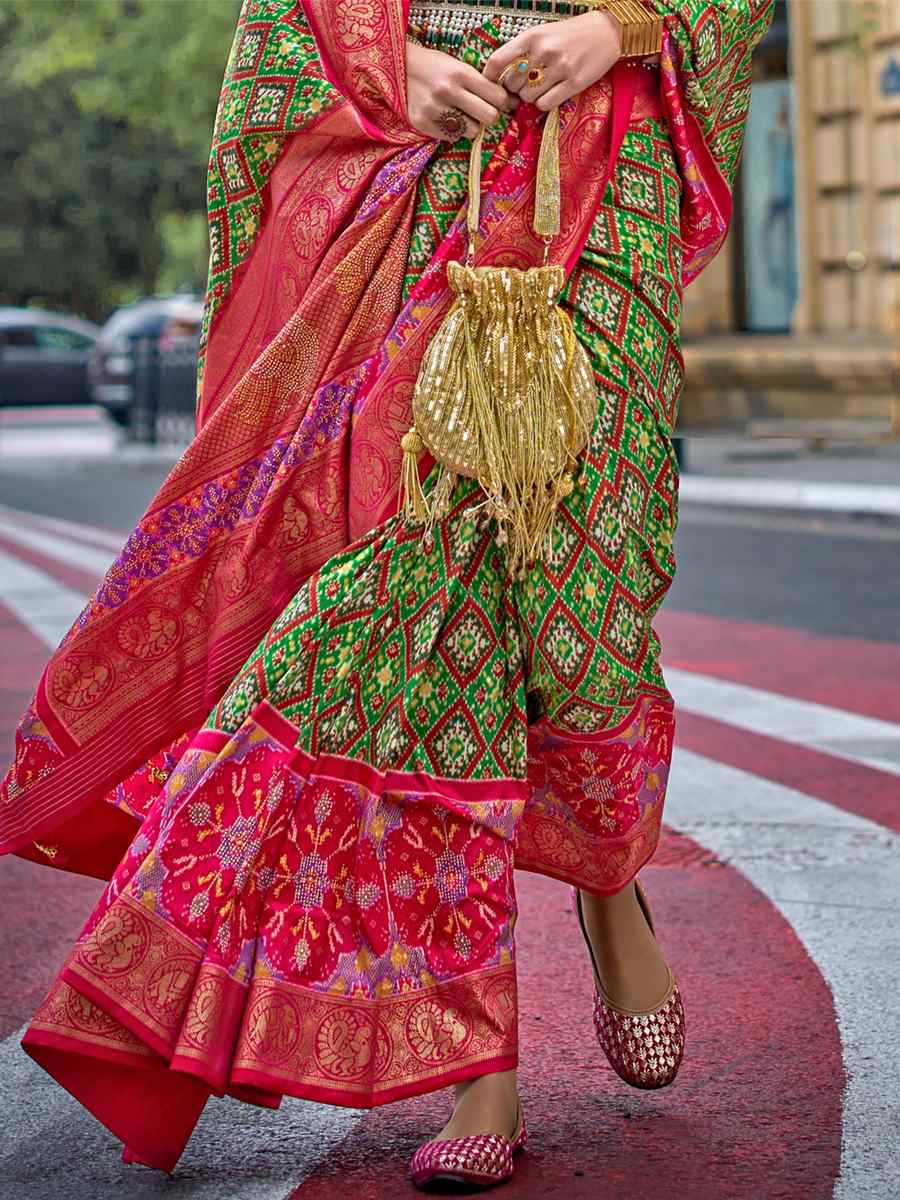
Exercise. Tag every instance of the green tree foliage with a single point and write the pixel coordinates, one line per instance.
(108, 107)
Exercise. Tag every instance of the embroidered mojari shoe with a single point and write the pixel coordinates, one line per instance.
(644, 1047)
(479, 1160)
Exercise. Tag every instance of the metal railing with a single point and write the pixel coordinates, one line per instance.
(163, 407)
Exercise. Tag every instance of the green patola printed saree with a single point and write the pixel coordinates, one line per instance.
(307, 748)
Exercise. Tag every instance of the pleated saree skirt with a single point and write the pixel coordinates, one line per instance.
(320, 899)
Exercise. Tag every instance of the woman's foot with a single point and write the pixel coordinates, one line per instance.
(638, 1010)
(477, 1144)
(488, 1104)
(629, 961)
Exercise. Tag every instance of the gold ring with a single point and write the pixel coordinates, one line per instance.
(520, 66)
(536, 74)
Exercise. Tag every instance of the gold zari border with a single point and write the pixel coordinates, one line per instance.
(146, 985)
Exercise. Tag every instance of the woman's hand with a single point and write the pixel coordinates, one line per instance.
(574, 53)
(437, 83)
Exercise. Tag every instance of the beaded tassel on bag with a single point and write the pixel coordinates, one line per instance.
(505, 394)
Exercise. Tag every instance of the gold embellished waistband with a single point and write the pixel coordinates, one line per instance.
(447, 23)
(543, 9)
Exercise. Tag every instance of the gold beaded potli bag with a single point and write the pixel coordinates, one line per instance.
(505, 394)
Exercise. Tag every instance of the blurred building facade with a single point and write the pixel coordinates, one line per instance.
(797, 321)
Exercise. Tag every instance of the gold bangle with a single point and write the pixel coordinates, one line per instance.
(642, 30)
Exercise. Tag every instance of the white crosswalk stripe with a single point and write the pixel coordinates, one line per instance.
(288, 1143)
(237, 1151)
(44, 444)
(859, 739)
(781, 493)
(106, 538)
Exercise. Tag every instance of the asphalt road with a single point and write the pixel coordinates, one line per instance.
(775, 891)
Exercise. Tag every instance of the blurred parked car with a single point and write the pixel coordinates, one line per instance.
(174, 321)
(44, 357)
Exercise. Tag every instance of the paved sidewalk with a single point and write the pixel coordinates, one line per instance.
(846, 477)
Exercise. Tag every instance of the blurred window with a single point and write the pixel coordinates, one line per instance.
(17, 337)
(125, 318)
(764, 245)
(49, 338)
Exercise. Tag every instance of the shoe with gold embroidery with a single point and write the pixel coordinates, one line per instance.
(644, 1047)
(479, 1160)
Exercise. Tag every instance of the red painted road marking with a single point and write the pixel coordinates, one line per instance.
(48, 911)
(754, 1113)
(855, 674)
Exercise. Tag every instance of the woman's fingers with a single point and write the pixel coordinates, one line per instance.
(515, 80)
(464, 91)
(552, 97)
(553, 78)
(568, 56)
(473, 106)
(449, 99)
(452, 124)
(514, 76)
(492, 93)
(505, 65)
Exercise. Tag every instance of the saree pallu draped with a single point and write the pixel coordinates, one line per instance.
(308, 751)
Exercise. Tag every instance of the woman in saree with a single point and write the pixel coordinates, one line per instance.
(308, 746)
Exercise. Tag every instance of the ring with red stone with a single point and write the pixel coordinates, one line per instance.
(536, 74)
(452, 123)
